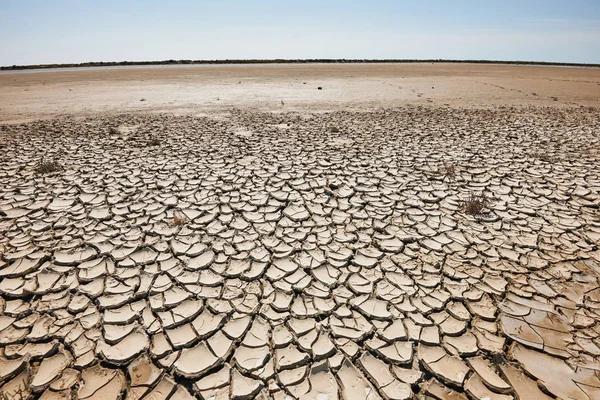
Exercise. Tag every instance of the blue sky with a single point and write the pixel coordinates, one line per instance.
(65, 31)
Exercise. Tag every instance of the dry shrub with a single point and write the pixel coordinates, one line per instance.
(178, 220)
(47, 167)
(18, 394)
(545, 157)
(475, 204)
(448, 171)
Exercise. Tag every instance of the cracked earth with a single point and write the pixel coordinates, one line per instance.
(302, 255)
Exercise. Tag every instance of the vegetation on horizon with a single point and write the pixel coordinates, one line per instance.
(285, 61)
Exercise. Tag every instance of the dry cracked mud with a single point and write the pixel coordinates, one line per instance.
(302, 255)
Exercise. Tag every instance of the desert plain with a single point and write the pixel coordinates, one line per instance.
(355, 231)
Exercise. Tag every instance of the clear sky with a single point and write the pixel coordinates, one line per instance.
(68, 31)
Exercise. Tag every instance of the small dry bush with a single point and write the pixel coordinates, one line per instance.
(475, 204)
(448, 171)
(545, 157)
(18, 394)
(47, 167)
(178, 220)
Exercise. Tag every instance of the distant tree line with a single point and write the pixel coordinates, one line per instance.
(284, 61)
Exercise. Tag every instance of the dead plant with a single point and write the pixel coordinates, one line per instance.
(179, 219)
(475, 204)
(448, 170)
(545, 157)
(47, 167)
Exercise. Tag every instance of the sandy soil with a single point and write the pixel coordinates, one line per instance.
(359, 246)
(189, 89)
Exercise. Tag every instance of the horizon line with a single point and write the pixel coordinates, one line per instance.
(286, 61)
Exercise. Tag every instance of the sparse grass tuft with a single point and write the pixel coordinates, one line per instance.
(545, 157)
(178, 220)
(475, 204)
(449, 171)
(18, 394)
(47, 167)
(154, 142)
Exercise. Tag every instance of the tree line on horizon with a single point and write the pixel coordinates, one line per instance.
(285, 61)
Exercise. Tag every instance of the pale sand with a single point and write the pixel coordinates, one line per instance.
(32, 95)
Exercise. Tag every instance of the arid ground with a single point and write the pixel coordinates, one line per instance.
(275, 88)
(419, 231)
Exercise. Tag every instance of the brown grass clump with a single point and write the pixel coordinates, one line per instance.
(545, 157)
(448, 171)
(178, 220)
(47, 167)
(18, 394)
(475, 204)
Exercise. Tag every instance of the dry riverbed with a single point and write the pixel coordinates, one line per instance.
(246, 253)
